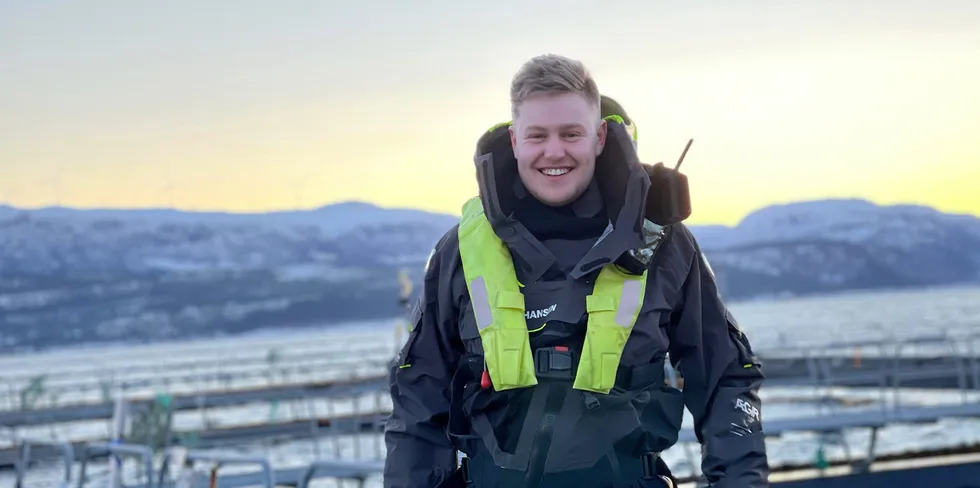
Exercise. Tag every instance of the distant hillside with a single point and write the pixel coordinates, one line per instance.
(833, 245)
(69, 275)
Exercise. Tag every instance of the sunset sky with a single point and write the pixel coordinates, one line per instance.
(247, 105)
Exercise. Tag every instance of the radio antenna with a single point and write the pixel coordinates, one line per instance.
(681, 160)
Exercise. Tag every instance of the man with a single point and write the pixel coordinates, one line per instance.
(542, 328)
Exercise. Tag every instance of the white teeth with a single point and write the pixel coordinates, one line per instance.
(555, 171)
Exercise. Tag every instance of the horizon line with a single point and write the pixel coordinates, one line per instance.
(367, 203)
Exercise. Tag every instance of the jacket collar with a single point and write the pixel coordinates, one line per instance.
(622, 190)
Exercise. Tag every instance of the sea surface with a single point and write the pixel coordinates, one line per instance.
(786, 326)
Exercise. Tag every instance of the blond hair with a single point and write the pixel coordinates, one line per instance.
(552, 74)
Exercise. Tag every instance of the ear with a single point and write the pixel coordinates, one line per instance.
(601, 133)
(513, 137)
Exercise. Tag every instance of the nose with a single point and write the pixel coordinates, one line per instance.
(554, 149)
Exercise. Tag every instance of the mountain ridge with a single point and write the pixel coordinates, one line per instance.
(363, 204)
(71, 276)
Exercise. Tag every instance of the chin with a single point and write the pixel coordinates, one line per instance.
(555, 199)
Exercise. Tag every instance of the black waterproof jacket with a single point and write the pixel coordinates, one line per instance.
(435, 382)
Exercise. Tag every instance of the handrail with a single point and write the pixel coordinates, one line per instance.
(67, 454)
(140, 451)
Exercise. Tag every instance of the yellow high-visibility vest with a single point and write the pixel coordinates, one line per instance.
(498, 306)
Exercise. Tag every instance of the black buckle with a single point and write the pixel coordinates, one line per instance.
(555, 363)
(591, 401)
(649, 462)
(464, 470)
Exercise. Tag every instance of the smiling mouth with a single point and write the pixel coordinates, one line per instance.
(555, 171)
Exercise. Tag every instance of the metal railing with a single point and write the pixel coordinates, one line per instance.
(892, 369)
(91, 385)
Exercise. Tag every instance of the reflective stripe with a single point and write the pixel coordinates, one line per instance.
(481, 302)
(498, 306)
(629, 303)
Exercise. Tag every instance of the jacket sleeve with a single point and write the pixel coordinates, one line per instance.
(419, 453)
(722, 377)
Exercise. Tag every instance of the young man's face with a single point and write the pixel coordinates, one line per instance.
(556, 139)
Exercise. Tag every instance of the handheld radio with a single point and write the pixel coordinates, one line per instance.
(669, 198)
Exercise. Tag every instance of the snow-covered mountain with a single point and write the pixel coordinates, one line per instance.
(70, 275)
(833, 245)
(330, 219)
(80, 275)
(81, 243)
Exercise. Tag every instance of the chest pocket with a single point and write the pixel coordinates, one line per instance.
(544, 303)
(555, 301)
